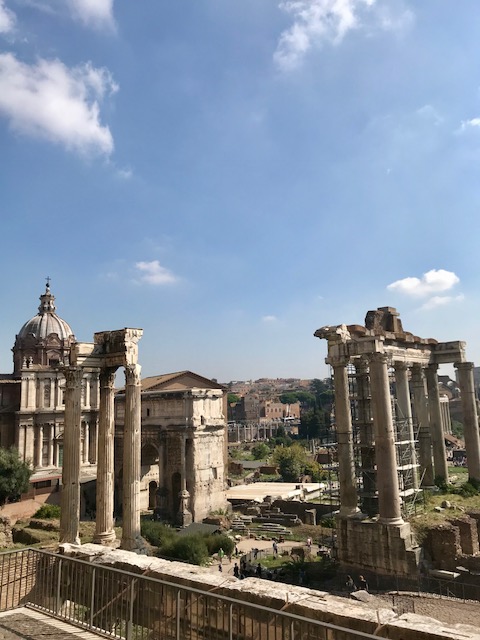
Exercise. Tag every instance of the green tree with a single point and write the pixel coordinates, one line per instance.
(232, 398)
(14, 475)
(291, 461)
(260, 451)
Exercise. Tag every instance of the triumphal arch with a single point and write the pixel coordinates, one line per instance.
(109, 351)
(390, 434)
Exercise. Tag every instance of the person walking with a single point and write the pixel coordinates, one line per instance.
(236, 571)
(362, 584)
(221, 553)
(350, 584)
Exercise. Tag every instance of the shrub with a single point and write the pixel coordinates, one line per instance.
(156, 533)
(468, 489)
(192, 549)
(48, 512)
(215, 541)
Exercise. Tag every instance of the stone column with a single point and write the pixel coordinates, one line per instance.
(405, 411)
(470, 418)
(70, 497)
(387, 476)
(131, 539)
(39, 447)
(51, 445)
(420, 402)
(20, 440)
(86, 443)
(436, 427)
(366, 439)
(184, 515)
(343, 420)
(30, 444)
(104, 531)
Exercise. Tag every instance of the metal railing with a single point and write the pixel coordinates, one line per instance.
(124, 605)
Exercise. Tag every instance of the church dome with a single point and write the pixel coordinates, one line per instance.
(45, 339)
(46, 321)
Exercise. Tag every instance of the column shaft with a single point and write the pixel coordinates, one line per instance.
(70, 498)
(405, 413)
(420, 401)
(104, 531)
(346, 463)
(131, 459)
(470, 418)
(387, 477)
(436, 427)
(39, 447)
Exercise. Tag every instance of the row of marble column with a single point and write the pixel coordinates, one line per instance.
(373, 372)
(70, 499)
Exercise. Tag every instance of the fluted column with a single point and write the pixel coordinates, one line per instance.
(70, 498)
(436, 428)
(420, 402)
(470, 418)
(387, 475)
(343, 422)
(104, 531)
(405, 411)
(131, 539)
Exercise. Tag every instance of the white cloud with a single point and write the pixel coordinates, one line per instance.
(93, 12)
(439, 301)
(433, 281)
(269, 319)
(153, 273)
(124, 174)
(469, 124)
(7, 18)
(319, 21)
(52, 101)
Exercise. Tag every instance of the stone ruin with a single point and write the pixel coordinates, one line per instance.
(390, 434)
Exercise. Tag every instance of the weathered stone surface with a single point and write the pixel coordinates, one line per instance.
(6, 539)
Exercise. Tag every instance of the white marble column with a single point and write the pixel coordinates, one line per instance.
(104, 529)
(343, 422)
(420, 402)
(387, 475)
(436, 427)
(470, 418)
(70, 497)
(405, 412)
(131, 539)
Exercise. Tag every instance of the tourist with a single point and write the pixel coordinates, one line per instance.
(362, 584)
(350, 584)
(221, 553)
(309, 543)
(236, 571)
(220, 568)
(275, 548)
(259, 570)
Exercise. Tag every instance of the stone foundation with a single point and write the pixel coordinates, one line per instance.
(369, 546)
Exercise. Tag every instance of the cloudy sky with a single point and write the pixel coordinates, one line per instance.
(231, 175)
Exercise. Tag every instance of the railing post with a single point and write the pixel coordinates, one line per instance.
(59, 580)
(92, 597)
(230, 622)
(177, 635)
(129, 629)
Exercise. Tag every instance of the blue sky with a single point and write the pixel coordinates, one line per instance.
(231, 175)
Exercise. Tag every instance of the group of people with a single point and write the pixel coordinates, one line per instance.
(352, 586)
